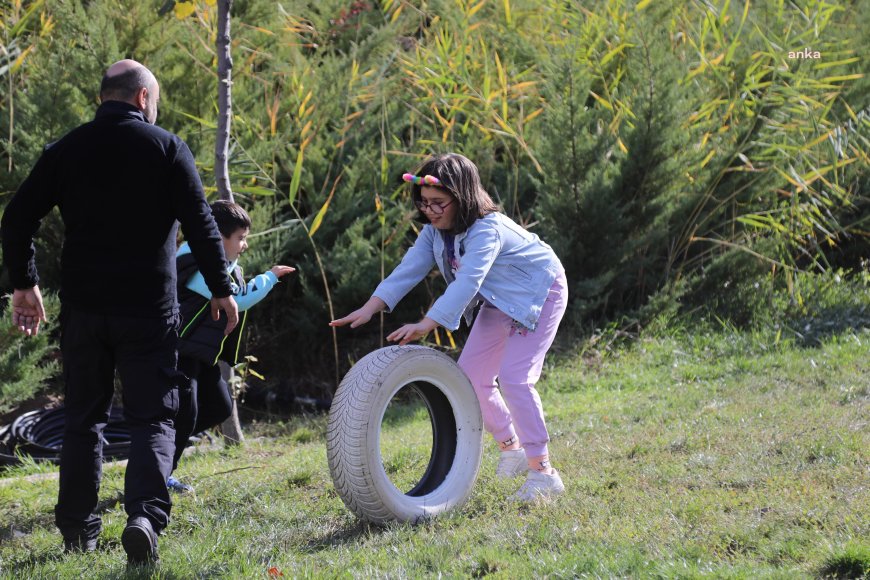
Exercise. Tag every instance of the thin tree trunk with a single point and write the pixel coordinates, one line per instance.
(231, 428)
(10, 74)
(225, 101)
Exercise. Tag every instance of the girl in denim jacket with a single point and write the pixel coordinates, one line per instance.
(487, 258)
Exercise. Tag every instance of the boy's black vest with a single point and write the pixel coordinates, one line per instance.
(202, 337)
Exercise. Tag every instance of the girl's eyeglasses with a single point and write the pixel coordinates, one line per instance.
(433, 207)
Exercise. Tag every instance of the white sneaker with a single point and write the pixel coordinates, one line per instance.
(512, 463)
(539, 486)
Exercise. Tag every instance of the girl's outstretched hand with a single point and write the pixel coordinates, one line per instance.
(356, 318)
(361, 315)
(411, 332)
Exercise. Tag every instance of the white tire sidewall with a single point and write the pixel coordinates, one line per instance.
(366, 488)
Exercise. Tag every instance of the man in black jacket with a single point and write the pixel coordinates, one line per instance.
(122, 184)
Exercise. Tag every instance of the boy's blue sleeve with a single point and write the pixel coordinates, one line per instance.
(258, 288)
(198, 285)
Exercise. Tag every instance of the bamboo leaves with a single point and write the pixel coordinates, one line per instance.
(466, 83)
(297, 175)
(570, 109)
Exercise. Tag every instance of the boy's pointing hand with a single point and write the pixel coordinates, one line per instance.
(282, 270)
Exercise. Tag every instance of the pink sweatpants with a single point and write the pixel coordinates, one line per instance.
(495, 349)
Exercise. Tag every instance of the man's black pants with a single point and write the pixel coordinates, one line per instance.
(143, 350)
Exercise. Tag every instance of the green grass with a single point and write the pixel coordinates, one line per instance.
(698, 456)
(406, 439)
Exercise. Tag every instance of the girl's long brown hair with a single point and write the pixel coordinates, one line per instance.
(460, 178)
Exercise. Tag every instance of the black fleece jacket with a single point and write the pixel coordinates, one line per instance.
(122, 186)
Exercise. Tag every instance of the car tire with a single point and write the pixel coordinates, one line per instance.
(354, 433)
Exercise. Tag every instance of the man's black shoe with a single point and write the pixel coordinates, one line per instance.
(140, 541)
(79, 544)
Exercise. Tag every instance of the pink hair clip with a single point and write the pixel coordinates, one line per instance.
(425, 180)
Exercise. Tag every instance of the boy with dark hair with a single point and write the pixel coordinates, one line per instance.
(202, 341)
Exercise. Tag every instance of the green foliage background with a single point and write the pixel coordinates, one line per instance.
(26, 363)
(670, 152)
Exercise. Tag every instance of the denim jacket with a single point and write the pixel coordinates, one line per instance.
(499, 261)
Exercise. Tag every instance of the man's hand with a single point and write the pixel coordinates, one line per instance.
(228, 305)
(411, 332)
(27, 310)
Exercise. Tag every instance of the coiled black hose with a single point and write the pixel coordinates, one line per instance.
(39, 435)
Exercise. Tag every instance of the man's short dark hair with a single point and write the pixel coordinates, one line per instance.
(230, 217)
(124, 86)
